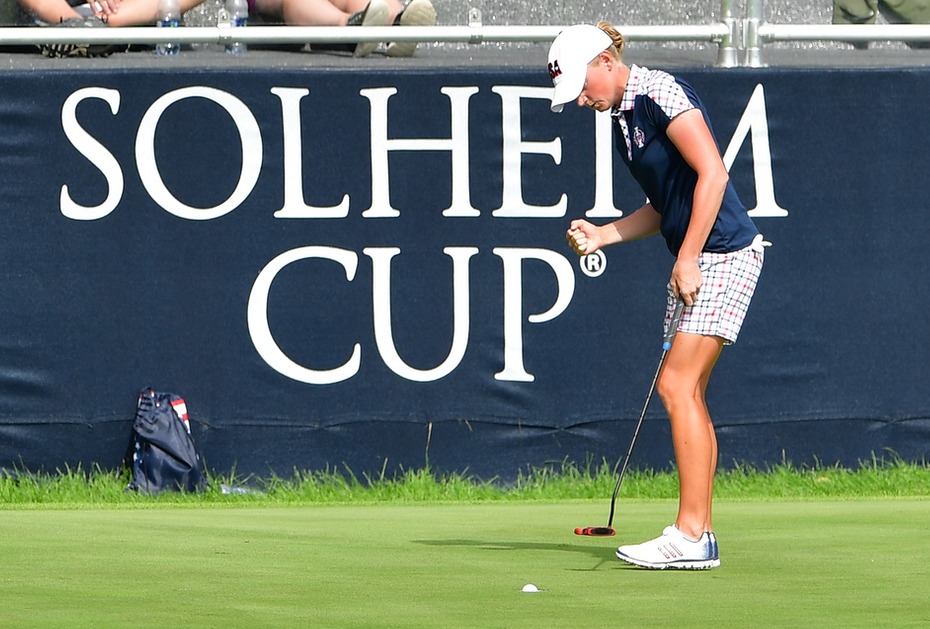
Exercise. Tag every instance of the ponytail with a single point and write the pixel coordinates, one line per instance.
(614, 34)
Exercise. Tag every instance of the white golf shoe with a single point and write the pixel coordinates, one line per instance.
(714, 550)
(673, 550)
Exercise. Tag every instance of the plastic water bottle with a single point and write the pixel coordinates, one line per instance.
(238, 15)
(168, 16)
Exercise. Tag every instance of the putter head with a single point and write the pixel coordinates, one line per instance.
(596, 531)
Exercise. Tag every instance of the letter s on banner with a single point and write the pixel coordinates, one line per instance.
(260, 331)
(95, 152)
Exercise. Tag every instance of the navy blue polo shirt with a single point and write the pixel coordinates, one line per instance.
(651, 100)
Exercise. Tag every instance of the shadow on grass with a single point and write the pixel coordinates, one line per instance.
(602, 555)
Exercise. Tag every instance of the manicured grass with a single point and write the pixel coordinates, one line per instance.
(785, 563)
(876, 478)
(801, 547)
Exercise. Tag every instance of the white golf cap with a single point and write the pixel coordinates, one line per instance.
(571, 52)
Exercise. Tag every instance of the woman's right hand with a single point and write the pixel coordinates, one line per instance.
(583, 237)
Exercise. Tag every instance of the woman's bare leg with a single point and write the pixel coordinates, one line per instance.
(682, 385)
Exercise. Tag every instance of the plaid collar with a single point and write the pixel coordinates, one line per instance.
(633, 84)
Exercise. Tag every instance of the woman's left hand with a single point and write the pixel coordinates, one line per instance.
(686, 281)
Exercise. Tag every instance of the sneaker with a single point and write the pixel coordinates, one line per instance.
(672, 550)
(81, 49)
(375, 14)
(416, 13)
(714, 550)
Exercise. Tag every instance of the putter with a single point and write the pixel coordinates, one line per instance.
(606, 531)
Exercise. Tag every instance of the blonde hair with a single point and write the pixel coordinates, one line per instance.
(617, 48)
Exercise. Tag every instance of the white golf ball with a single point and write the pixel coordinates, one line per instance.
(529, 587)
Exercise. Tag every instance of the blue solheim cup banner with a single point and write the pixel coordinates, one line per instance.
(368, 270)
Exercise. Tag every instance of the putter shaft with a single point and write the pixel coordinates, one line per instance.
(666, 345)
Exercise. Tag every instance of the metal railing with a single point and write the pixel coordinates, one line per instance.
(740, 40)
(756, 33)
(336, 34)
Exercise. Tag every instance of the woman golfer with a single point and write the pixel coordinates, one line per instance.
(663, 135)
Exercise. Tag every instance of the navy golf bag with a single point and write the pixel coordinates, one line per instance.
(163, 453)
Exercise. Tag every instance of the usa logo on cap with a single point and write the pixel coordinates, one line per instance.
(554, 70)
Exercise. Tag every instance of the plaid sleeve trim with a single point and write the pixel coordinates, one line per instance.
(665, 92)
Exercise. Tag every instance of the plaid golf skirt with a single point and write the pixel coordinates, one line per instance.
(729, 283)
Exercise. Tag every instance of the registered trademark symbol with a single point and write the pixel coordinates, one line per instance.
(593, 264)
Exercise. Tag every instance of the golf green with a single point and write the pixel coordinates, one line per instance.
(792, 564)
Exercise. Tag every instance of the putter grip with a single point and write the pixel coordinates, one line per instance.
(673, 326)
